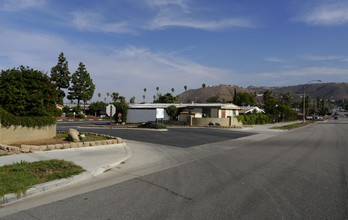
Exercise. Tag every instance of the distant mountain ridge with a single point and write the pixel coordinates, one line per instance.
(323, 90)
(226, 92)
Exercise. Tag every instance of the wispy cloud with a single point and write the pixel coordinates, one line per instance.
(275, 60)
(308, 71)
(165, 22)
(326, 15)
(16, 5)
(178, 13)
(326, 58)
(92, 21)
(126, 70)
(165, 3)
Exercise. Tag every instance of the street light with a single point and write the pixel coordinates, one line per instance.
(304, 98)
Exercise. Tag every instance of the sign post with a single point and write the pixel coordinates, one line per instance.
(110, 111)
(119, 117)
(159, 115)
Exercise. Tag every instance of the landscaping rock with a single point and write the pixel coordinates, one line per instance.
(13, 149)
(73, 135)
(66, 146)
(97, 143)
(43, 147)
(80, 144)
(25, 148)
(59, 146)
(34, 148)
(51, 146)
(119, 140)
(73, 145)
(108, 141)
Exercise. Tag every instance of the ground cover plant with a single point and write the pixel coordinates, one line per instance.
(291, 126)
(89, 137)
(19, 177)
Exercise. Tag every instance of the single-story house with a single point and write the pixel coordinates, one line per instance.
(147, 111)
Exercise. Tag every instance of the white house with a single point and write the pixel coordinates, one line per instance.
(147, 112)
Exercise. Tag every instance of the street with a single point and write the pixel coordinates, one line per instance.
(203, 173)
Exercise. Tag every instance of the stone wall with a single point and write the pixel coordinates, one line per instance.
(32, 148)
(21, 134)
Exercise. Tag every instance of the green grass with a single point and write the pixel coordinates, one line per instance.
(291, 126)
(18, 177)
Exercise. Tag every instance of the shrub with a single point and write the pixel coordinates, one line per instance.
(27, 92)
(7, 119)
(259, 118)
(82, 116)
(70, 114)
(153, 125)
(66, 109)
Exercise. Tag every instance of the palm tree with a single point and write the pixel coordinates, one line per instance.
(185, 87)
(144, 97)
(107, 95)
(173, 90)
(154, 97)
(99, 96)
(157, 88)
(203, 86)
(115, 96)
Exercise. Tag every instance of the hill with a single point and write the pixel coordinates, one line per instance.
(224, 92)
(334, 91)
(323, 90)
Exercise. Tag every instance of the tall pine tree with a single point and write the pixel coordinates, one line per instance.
(82, 85)
(60, 76)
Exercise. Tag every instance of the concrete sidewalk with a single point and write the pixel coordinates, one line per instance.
(95, 160)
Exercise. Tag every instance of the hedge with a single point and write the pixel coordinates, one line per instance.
(259, 118)
(7, 120)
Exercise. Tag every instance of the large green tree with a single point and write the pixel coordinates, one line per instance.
(244, 98)
(82, 87)
(167, 98)
(60, 76)
(27, 92)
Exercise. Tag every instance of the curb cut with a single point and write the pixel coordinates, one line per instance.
(55, 184)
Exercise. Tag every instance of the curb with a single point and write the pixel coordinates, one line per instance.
(55, 184)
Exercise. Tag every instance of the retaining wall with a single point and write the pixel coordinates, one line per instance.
(21, 134)
(225, 122)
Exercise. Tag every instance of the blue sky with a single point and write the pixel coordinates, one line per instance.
(129, 45)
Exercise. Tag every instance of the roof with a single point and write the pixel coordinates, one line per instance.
(251, 109)
(183, 105)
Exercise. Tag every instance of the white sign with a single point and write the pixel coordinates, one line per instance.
(159, 113)
(110, 110)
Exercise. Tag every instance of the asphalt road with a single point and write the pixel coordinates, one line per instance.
(176, 137)
(299, 174)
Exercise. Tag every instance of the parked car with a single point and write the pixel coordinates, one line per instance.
(336, 117)
(308, 117)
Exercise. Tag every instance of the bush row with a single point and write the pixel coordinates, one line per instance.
(252, 119)
(7, 120)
